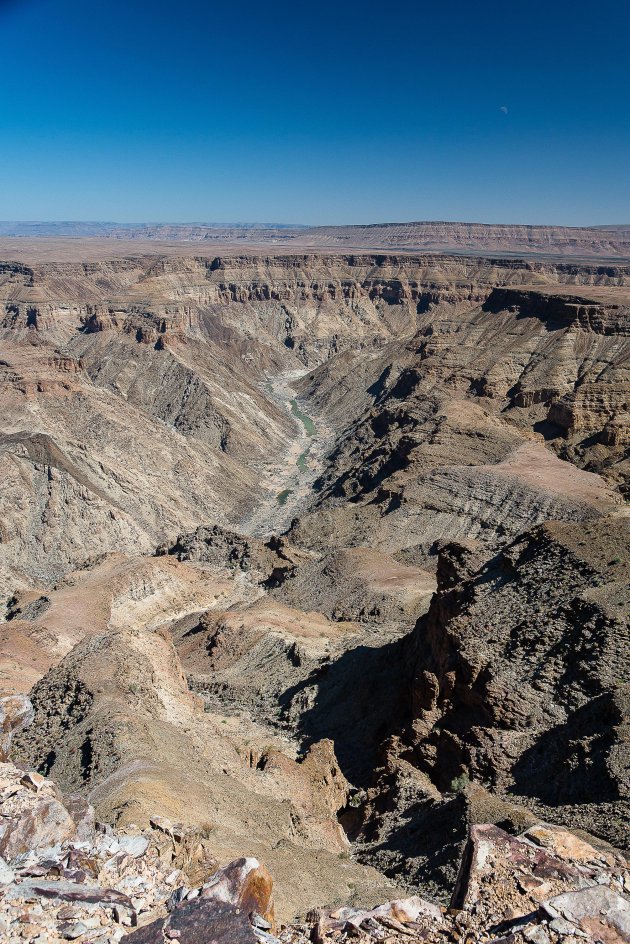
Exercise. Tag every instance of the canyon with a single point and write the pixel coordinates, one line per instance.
(321, 550)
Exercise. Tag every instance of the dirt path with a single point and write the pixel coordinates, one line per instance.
(287, 482)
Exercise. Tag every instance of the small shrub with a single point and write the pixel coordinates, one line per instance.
(357, 799)
(458, 784)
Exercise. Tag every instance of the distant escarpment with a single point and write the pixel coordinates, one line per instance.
(561, 241)
(578, 242)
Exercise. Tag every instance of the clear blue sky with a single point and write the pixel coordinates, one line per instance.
(320, 112)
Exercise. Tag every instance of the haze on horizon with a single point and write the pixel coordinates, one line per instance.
(334, 115)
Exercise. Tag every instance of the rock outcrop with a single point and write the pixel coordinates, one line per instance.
(522, 680)
(63, 877)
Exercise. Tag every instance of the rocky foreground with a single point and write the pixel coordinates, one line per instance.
(64, 876)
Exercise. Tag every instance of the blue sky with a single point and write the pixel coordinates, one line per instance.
(326, 112)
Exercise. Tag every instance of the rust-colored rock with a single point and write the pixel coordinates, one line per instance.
(244, 883)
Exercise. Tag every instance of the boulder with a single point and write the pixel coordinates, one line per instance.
(134, 846)
(71, 891)
(46, 823)
(407, 910)
(598, 912)
(200, 921)
(33, 781)
(394, 915)
(566, 845)
(7, 875)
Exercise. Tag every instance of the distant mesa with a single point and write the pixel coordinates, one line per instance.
(606, 243)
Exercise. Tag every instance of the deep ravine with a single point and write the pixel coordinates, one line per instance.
(287, 480)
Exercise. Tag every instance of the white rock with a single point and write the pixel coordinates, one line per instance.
(7, 875)
(598, 901)
(134, 846)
